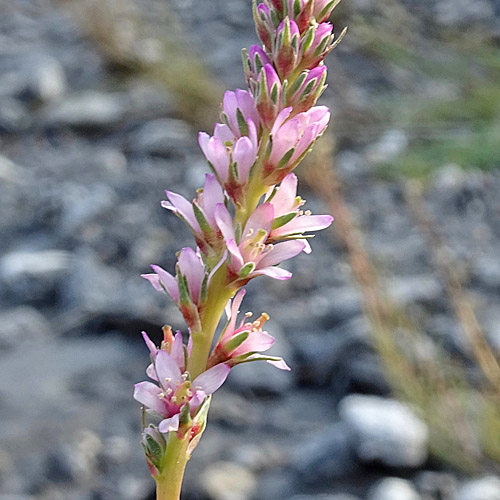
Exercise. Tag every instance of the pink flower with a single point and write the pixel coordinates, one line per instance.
(290, 222)
(199, 215)
(244, 343)
(249, 255)
(231, 154)
(174, 390)
(238, 108)
(292, 139)
(188, 288)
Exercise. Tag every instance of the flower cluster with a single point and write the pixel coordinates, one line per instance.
(246, 220)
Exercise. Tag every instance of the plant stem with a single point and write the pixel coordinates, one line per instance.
(168, 485)
(217, 297)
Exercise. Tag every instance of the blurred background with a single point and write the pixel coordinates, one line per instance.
(391, 326)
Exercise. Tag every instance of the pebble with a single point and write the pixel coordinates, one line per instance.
(386, 431)
(228, 481)
(87, 109)
(23, 325)
(486, 488)
(163, 137)
(327, 456)
(393, 488)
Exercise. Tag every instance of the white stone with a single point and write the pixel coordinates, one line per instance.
(486, 488)
(393, 488)
(386, 431)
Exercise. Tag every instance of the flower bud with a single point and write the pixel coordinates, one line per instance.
(254, 59)
(306, 89)
(264, 23)
(268, 98)
(316, 44)
(286, 47)
(154, 445)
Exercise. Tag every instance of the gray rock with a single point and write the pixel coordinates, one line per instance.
(23, 325)
(33, 275)
(88, 109)
(434, 485)
(386, 431)
(486, 488)
(461, 13)
(326, 457)
(9, 171)
(14, 116)
(163, 137)
(390, 145)
(46, 79)
(421, 289)
(393, 488)
(228, 481)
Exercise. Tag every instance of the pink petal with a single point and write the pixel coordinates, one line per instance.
(224, 221)
(223, 132)
(177, 352)
(284, 199)
(184, 208)
(237, 261)
(169, 424)
(261, 218)
(281, 252)
(244, 154)
(233, 313)
(280, 119)
(273, 272)
(216, 154)
(212, 196)
(151, 372)
(281, 364)
(194, 271)
(150, 344)
(154, 279)
(304, 223)
(212, 379)
(256, 341)
(148, 394)
(167, 369)
(168, 281)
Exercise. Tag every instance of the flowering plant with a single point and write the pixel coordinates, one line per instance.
(246, 220)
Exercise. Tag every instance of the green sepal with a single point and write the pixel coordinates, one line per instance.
(237, 233)
(200, 218)
(184, 296)
(246, 269)
(236, 341)
(283, 219)
(308, 40)
(274, 94)
(295, 86)
(204, 290)
(242, 124)
(286, 158)
(296, 8)
(185, 419)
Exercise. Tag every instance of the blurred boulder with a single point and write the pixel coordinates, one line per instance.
(386, 431)
(486, 488)
(393, 488)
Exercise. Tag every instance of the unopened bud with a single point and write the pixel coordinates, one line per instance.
(154, 445)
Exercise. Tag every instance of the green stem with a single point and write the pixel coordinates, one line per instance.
(217, 297)
(168, 485)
